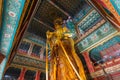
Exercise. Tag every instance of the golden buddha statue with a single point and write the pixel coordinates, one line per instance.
(64, 63)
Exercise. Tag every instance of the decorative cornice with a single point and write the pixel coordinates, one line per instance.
(91, 30)
(89, 13)
(29, 56)
(28, 67)
(29, 62)
(30, 41)
(102, 41)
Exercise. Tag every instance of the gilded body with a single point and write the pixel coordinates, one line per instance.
(60, 67)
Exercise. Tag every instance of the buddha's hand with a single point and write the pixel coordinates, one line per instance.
(49, 34)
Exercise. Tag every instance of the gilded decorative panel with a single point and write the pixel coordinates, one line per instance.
(105, 30)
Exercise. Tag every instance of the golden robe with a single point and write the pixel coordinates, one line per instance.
(60, 68)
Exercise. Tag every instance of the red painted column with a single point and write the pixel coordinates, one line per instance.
(22, 74)
(88, 62)
(37, 77)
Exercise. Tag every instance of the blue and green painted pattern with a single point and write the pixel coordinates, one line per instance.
(71, 26)
(116, 5)
(95, 53)
(12, 11)
(89, 21)
(35, 39)
(85, 9)
(105, 30)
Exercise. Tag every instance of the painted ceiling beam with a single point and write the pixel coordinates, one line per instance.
(58, 8)
(41, 22)
(11, 17)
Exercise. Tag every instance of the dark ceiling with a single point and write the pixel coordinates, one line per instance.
(49, 10)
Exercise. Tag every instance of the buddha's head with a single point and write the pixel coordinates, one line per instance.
(58, 23)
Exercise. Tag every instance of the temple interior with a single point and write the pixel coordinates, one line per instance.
(94, 26)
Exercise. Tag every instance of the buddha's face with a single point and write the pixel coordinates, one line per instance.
(58, 23)
(57, 26)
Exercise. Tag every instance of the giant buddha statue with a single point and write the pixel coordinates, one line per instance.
(64, 63)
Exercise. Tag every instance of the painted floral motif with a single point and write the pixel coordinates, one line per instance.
(94, 37)
(105, 30)
(12, 12)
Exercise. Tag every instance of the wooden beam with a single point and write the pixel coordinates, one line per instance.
(1, 8)
(58, 8)
(41, 22)
(28, 67)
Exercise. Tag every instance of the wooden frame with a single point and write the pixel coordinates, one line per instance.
(1, 57)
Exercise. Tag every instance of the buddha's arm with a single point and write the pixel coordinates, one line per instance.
(66, 32)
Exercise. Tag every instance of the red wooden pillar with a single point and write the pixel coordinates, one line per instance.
(88, 62)
(37, 77)
(22, 74)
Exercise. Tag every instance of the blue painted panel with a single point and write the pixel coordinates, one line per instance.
(88, 22)
(95, 53)
(35, 38)
(85, 9)
(116, 5)
(11, 15)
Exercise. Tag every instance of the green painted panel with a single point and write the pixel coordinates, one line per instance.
(89, 21)
(35, 39)
(105, 30)
(83, 12)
